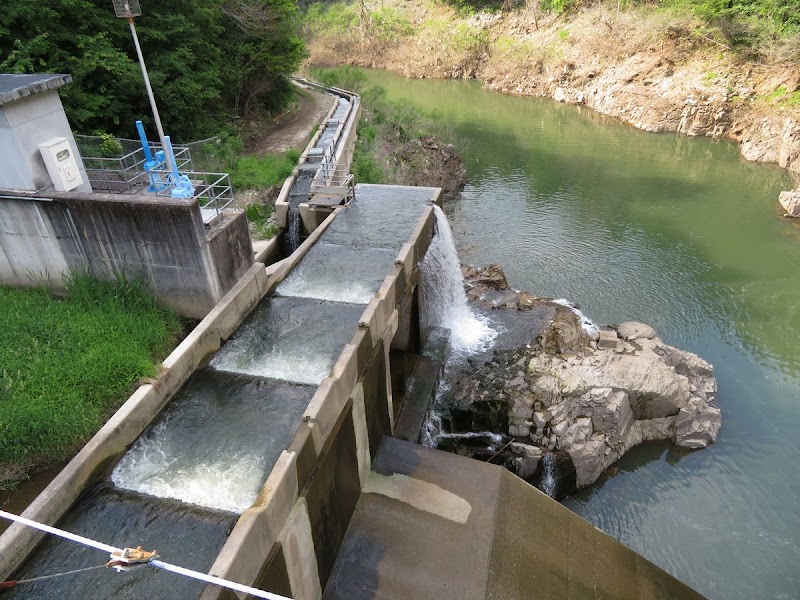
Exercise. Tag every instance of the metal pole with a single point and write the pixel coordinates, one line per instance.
(150, 92)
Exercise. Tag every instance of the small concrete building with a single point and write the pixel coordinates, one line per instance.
(53, 223)
(31, 114)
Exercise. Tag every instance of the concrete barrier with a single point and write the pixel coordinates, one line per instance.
(163, 240)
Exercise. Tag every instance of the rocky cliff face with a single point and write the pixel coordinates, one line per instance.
(590, 397)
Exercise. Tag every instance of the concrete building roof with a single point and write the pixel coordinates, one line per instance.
(13, 87)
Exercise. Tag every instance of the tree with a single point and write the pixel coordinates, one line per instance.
(206, 58)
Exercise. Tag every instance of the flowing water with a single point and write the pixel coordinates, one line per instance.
(339, 273)
(444, 300)
(548, 484)
(124, 519)
(216, 442)
(293, 339)
(685, 235)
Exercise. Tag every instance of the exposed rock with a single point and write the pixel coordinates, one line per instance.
(790, 201)
(565, 334)
(697, 424)
(492, 276)
(528, 457)
(581, 403)
(594, 404)
(608, 339)
(632, 330)
(435, 164)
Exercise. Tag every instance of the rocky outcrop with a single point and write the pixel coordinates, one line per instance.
(590, 397)
(653, 75)
(435, 164)
(790, 201)
(597, 405)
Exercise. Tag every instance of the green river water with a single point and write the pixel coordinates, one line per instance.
(685, 235)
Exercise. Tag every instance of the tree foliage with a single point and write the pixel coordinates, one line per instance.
(208, 59)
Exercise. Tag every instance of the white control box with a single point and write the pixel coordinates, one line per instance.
(61, 164)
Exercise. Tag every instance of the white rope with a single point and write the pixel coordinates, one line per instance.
(155, 563)
(60, 532)
(217, 581)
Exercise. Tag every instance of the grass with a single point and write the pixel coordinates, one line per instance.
(782, 97)
(260, 172)
(67, 364)
(258, 214)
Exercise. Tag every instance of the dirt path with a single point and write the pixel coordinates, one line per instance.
(293, 129)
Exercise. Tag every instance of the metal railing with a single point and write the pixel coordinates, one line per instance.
(124, 173)
(213, 191)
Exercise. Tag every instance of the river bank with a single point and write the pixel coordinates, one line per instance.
(647, 68)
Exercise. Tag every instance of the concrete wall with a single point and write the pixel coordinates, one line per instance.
(24, 124)
(162, 240)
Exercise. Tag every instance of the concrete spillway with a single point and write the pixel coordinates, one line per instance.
(294, 339)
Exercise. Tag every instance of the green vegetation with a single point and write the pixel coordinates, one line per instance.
(382, 23)
(783, 97)
(750, 27)
(259, 214)
(260, 172)
(67, 364)
(208, 59)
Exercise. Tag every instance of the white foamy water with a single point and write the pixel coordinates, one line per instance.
(227, 480)
(354, 292)
(299, 366)
(588, 325)
(548, 483)
(445, 302)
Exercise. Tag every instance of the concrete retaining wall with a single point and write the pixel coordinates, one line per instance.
(162, 240)
(344, 139)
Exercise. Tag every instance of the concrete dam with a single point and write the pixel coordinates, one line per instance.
(264, 452)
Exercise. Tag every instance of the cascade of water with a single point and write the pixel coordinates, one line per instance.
(444, 301)
(292, 230)
(548, 483)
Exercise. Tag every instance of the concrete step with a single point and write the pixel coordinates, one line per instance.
(433, 525)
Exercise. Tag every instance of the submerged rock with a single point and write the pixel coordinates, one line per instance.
(567, 393)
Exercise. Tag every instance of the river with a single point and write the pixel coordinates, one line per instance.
(682, 234)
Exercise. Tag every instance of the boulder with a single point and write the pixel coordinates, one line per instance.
(790, 201)
(697, 424)
(632, 330)
(527, 459)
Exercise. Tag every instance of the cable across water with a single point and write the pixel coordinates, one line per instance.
(158, 564)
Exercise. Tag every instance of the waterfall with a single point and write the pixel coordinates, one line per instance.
(444, 301)
(548, 482)
(292, 231)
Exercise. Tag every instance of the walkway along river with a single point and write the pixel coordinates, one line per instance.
(685, 235)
